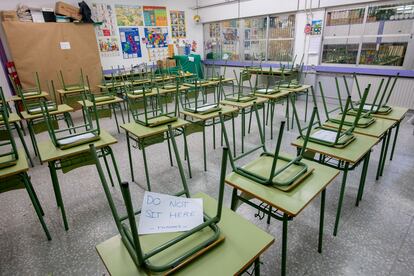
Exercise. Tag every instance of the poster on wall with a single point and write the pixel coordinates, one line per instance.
(155, 16)
(178, 24)
(108, 46)
(156, 37)
(131, 47)
(128, 15)
(156, 54)
(104, 13)
(316, 27)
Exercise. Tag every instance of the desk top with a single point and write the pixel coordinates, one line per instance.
(72, 91)
(110, 85)
(396, 114)
(13, 118)
(20, 167)
(205, 84)
(242, 105)
(17, 98)
(276, 96)
(236, 253)
(225, 109)
(62, 108)
(275, 71)
(141, 131)
(48, 151)
(352, 153)
(299, 89)
(377, 129)
(294, 201)
(172, 90)
(90, 104)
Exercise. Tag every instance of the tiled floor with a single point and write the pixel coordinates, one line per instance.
(377, 238)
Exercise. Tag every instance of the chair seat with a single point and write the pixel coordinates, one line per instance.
(104, 98)
(76, 140)
(73, 87)
(382, 110)
(161, 120)
(169, 86)
(241, 99)
(205, 109)
(8, 160)
(37, 110)
(31, 93)
(267, 91)
(327, 137)
(350, 119)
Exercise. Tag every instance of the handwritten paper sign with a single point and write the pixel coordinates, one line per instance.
(162, 213)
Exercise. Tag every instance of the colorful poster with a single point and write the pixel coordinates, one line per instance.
(178, 24)
(128, 15)
(103, 14)
(131, 47)
(108, 46)
(155, 16)
(156, 54)
(156, 37)
(316, 27)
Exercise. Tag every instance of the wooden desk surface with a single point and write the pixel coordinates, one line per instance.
(396, 114)
(90, 104)
(242, 105)
(243, 243)
(13, 118)
(293, 201)
(48, 151)
(205, 84)
(275, 71)
(180, 88)
(377, 129)
(352, 153)
(299, 89)
(62, 108)
(72, 91)
(141, 131)
(276, 96)
(20, 167)
(148, 93)
(16, 98)
(225, 109)
(112, 85)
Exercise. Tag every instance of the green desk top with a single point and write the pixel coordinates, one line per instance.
(62, 108)
(141, 131)
(21, 166)
(72, 91)
(352, 153)
(377, 129)
(16, 98)
(90, 104)
(13, 118)
(48, 151)
(242, 105)
(243, 243)
(396, 114)
(292, 202)
(225, 109)
(276, 96)
(304, 87)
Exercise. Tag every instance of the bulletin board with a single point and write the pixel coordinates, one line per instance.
(37, 48)
(130, 42)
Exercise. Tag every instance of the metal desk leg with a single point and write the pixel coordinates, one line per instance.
(234, 200)
(306, 104)
(204, 146)
(169, 151)
(257, 267)
(264, 125)
(130, 157)
(321, 218)
(341, 198)
(116, 118)
(214, 133)
(397, 128)
(271, 119)
(242, 130)
(234, 136)
(284, 243)
(363, 178)
(186, 154)
(384, 141)
(144, 156)
(32, 137)
(107, 168)
(384, 159)
(56, 188)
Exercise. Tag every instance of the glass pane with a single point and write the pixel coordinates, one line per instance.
(254, 28)
(280, 50)
(281, 26)
(383, 52)
(212, 41)
(340, 53)
(345, 17)
(255, 50)
(391, 12)
(231, 39)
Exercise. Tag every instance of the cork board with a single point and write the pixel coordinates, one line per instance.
(36, 47)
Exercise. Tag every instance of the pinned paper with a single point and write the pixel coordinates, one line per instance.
(65, 45)
(162, 213)
(191, 59)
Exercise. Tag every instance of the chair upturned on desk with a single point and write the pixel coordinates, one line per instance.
(145, 136)
(284, 205)
(239, 251)
(73, 158)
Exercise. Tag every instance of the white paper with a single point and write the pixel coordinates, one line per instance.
(314, 44)
(73, 139)
(65, 45)
(191, 59)
(162, 213)
(37, 16)
(324, 135)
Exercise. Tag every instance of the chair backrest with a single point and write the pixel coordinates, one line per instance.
(8, 150)
(67, 86)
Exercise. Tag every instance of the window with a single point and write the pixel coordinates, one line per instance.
(377, 35)
(262, 38)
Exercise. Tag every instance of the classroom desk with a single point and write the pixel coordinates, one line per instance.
(111, 104)
(380, 129)
(14, 120)
(72, 158)
(266, 71)
(62, 109)
(145, 136)
(242, 106)
(347, 159)
(203, 120)
(290, 203)
(273, 99)
(110, 85)
(13, 177)
(64, 94)
(16, 98)
(235, 255)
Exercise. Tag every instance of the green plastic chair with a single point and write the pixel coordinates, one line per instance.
(266, 89)
(208, 233)
(74, 135)
(34, 106)
(241, 96)
(269, 168)
(8, 149)
(32, 91)
(73, 86)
